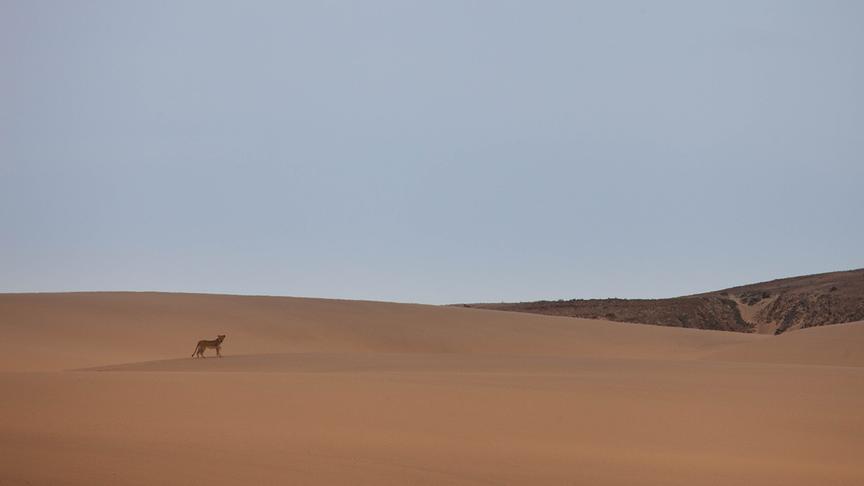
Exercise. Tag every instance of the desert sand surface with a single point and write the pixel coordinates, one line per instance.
(98, 388)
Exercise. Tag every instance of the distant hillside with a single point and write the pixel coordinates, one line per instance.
(767, 308)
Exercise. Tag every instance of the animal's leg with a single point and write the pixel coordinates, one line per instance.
(219, 351)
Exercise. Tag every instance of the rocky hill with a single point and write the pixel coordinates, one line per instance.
(769, 307)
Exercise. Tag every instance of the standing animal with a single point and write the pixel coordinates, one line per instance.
(205, 344)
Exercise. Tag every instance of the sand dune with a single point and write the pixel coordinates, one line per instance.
(315, 391)
(835, 345)
(49, 332)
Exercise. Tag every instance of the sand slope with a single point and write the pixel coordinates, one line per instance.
(336, 392)
(837, 345)
(48, 332)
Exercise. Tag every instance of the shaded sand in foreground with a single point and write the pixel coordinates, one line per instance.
(336, 392)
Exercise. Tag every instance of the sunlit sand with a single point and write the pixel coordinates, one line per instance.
(99, 389)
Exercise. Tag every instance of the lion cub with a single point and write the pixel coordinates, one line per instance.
(204, 344)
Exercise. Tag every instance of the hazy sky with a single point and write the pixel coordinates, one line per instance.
(438, 151)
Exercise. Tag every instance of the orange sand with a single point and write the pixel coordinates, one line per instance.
(318, 391)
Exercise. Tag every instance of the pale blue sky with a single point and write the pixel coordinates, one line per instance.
(439, 151)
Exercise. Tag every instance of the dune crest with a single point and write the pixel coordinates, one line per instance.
(78, 330)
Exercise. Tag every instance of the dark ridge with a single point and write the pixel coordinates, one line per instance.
(768, 307)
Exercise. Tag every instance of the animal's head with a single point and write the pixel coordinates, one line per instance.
(221, 337)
